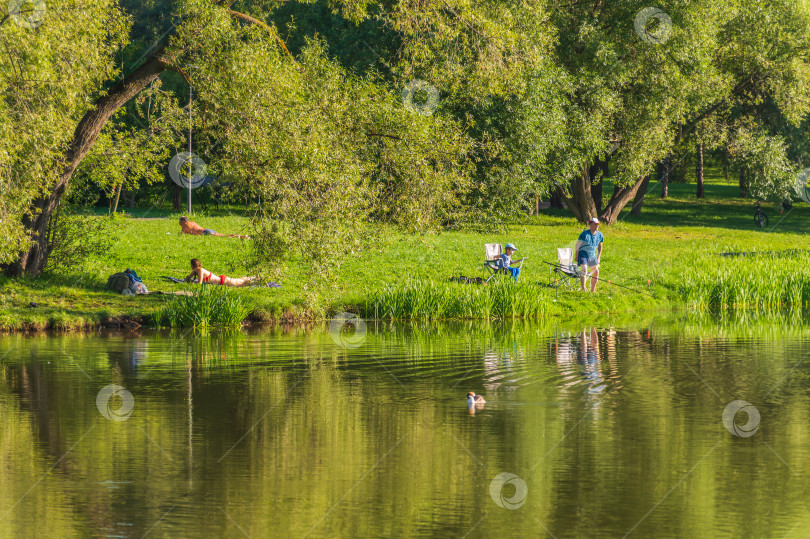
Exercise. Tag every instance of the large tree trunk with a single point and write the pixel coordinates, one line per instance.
(582, 205)
(699, 170)
(571, 204)
(618, 201)
(584, 196)
(639, 199)
(581, 202)
(32, 261)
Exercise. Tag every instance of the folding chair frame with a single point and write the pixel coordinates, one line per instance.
(492, 261)
(566, 270)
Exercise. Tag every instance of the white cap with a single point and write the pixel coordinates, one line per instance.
(594, 220)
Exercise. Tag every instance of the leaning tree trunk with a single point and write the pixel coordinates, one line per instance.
(639, 199)
(618, 201)
(584, 195)
(699, 170)
(32, 261)
(581, 203)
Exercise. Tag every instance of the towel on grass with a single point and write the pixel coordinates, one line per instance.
(176, 280)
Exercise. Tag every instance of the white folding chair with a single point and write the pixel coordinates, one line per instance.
(566, 269)
(492, 261)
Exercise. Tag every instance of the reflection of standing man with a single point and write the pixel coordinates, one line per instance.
(589, 252)
(590, 359)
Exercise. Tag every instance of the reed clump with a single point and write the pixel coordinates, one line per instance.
(422, 299)
(207, 306)
(767, 281)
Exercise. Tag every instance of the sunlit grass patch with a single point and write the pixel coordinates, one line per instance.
(761, 281)
(208, 306)
(423, 299)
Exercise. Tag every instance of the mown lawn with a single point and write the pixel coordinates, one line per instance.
(655, 247)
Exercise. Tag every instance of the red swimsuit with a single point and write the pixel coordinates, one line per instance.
(208, 278)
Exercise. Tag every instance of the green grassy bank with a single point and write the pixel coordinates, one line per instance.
(671, 256)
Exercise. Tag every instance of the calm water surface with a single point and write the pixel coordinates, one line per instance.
(604, 431)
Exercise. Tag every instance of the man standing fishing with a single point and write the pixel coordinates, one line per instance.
(588, 252)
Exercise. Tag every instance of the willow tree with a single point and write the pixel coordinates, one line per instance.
(373, 153)
(635, 81)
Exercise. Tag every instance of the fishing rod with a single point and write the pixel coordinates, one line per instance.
(578, 274)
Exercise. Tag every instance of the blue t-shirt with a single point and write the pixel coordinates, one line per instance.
(589, 243)
(506, 260)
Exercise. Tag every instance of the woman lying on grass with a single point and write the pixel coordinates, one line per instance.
(203, 276)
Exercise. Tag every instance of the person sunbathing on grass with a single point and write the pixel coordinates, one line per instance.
(203, 276)
(190, 227)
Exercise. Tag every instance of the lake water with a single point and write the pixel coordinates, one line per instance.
(610, 430)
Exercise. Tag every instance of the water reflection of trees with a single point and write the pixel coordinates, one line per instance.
(277, 431)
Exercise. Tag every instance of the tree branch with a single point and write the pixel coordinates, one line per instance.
(257, 22)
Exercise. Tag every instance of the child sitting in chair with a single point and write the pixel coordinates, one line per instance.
(506, 260)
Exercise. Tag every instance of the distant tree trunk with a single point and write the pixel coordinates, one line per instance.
(132, 198)
(743, 184)
(536, 204)
(117, 198)
(666, 168)
(176, 201)
(639, 200)
(555, 199)
(699, 170)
